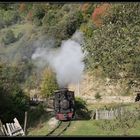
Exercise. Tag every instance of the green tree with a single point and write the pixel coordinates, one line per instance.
(38, 14)
(114, 46)
(13, 101)
(48, 84)
(61, 23)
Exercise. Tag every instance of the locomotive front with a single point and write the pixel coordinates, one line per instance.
(64, 103)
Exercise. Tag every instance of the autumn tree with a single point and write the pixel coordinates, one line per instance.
(29, 16)
(99, 12)
(22, 7)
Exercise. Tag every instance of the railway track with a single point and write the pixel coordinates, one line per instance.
(63, 125)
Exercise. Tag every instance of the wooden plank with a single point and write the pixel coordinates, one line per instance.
(18, 125)
(2, 130)
(109, 114)
(13, 129)
(106, 114)
(16, 130)
(5, 130)
(13, 126)
(18, 133)
(116, 113)
(16, 122)
(8, 128)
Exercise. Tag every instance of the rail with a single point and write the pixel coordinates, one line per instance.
(63, 125)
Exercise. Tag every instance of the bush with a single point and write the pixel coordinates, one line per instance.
(81, 109)
(9, 17)
(34, 115)
(19, 36)
(97, 95)
(50, 18)
(38, 14)
(124, 122)
(37, 22)
(74, 21)
(9, 37)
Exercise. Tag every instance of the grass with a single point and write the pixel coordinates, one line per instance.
(112, 105)
(92, 128)
(89, 127)
(39, 126)
(85, 128)
(39, 130)
(38, 121)
(102, 105)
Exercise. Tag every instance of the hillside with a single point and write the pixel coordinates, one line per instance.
(91, 48)
(110, 92)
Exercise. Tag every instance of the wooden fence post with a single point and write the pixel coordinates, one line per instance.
(25, 122)
(111, 113)
(104, 112)
(96, 114)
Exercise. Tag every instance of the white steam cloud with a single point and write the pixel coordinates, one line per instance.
(66, 62)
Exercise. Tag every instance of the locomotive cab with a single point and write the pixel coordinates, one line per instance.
(64, 104)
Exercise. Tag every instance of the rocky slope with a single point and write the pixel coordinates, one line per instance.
(109, 92)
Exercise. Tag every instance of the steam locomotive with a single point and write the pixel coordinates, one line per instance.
(64, 102)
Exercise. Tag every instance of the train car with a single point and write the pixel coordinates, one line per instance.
(64, 102)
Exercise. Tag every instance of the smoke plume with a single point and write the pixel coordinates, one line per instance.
(66, 61)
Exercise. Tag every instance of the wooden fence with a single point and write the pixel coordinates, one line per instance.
(106, 114)
(12, 129)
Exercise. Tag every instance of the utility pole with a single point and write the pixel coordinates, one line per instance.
(78, 86)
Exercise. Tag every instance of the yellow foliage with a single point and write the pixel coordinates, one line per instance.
(48, 84)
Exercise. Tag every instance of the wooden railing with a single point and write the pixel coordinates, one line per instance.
(106, 114)
(12, 129)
